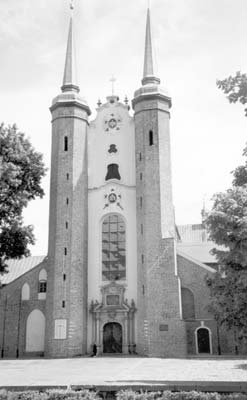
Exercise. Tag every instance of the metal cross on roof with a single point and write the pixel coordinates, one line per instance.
(112, 80)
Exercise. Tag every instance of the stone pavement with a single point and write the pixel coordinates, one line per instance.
(137, 372)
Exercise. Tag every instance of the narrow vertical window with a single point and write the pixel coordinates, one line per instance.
(140, 202)
(142, 259)
(67, 176)
(143, 290)
(65, 251)
(151, 138)
(63, 304)
(64, 277)
(42, 284)
(65, 143)
(140, 156)
(67, 200)
(140, 176)
(66, 225)
(141, 229)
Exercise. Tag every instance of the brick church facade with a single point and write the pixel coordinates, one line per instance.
(118, 276)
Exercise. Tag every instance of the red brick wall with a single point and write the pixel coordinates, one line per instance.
(14, 312)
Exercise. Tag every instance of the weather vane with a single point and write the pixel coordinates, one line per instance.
(112, 80)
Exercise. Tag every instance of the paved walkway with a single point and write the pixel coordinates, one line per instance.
(118, 371)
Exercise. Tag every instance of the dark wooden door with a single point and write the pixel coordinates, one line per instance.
(203, 340)
(112, 338)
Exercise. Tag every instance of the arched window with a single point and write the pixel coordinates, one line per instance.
(42, 275)
(188, 304)
(112, 172)
(35, 331)
(42, 285)
(113, 248)
(25, 292)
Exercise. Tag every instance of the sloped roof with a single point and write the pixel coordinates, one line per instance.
(192, 233)
(198, 263)
(193, 241)
(18, 267)
(198, 251)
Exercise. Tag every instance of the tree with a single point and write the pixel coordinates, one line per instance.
(21, 171)
(235, 87)
(240, 173)
(227, 226)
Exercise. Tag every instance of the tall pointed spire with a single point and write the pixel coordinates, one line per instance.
(148, 70)
(69, 77)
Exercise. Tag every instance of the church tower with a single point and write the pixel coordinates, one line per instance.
(66, 328)
(160, 329)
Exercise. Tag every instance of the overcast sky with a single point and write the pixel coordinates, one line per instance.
(196, 42)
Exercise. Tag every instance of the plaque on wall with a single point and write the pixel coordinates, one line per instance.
(60, 329)
(163, 327)
(113, 289)
(112, 300)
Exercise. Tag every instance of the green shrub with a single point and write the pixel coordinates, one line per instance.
(168, 395)
(48, 395)
(70, 395)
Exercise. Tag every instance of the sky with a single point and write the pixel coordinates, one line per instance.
(195, 43)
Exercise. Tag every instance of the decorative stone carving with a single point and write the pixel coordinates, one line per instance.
(113, 123)
(115, 309)
(112, 197)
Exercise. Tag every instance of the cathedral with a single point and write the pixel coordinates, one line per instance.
(119, 277)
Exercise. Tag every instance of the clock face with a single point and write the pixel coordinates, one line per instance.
(112, 123)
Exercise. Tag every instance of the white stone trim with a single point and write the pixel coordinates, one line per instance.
(41, 295)
(210, 337)
(60, 329)
(43, 275)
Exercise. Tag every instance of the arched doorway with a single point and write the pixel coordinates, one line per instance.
(203, 340)
(35, 331)
(112, 338)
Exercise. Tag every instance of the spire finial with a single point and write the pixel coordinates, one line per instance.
(71, 5)
(148, 70)
(69, 78)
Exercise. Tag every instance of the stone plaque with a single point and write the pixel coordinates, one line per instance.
(60, 329)
(163, 327)
(113, 289)
(112, 300)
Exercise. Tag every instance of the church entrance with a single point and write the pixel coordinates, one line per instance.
(112, 338)
(203, 340)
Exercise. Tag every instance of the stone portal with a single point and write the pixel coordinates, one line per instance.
(113, 321)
